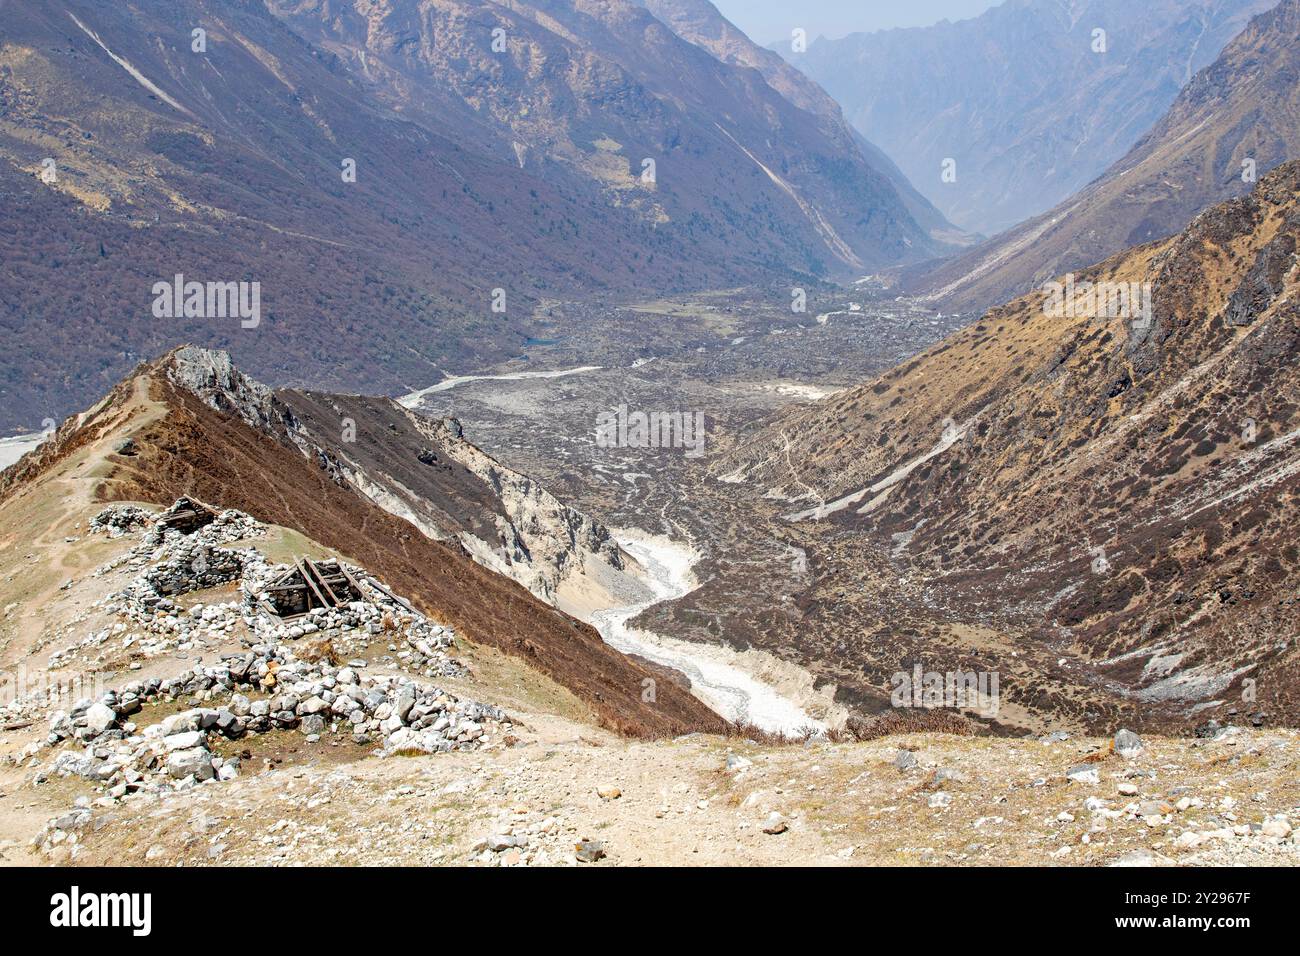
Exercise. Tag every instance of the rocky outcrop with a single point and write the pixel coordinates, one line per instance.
(421, 470)
(212, 376)
(542, 540)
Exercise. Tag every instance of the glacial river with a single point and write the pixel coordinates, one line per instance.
(413, 400)
(726, 688)
(11, 449)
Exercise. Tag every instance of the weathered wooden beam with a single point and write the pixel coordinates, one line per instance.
(300, 564)
(334, 598)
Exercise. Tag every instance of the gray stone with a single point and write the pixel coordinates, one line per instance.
(196, 762)
(312, 724)
(404, 701)
(1084, 773)
(184, 741)
(180, 723)
(1128, 744)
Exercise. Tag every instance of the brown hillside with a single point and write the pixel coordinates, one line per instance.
(183, 447)
(1119, 499)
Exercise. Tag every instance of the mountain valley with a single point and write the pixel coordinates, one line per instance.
(564, 433)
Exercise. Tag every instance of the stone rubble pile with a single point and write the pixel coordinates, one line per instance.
(163, 545)
(264, 690)
(170, 564)
(266, 687)
(120, 520)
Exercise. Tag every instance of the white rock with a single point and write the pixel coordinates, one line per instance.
(184, 741)
(1277, 827)
(100, 717)
(196, 762)
(1084, 773)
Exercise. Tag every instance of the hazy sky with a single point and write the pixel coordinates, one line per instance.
(768, 20)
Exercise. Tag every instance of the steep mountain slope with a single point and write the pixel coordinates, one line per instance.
(426, 472)
(132, 151)
(1018, 97)
(1235, 120)
(598, 88)
(157, 437)
(242, 179)
(699, 22)
(1113, 496)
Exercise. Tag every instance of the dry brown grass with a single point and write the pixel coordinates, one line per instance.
(910, 721)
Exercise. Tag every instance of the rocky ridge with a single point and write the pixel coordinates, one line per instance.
(152, 439)
(422, 470)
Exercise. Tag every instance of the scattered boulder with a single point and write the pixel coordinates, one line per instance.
(1128, 744)
(100, 717)
(905, 760)
(1277, 827)
(1083, 773)
(195, 762)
